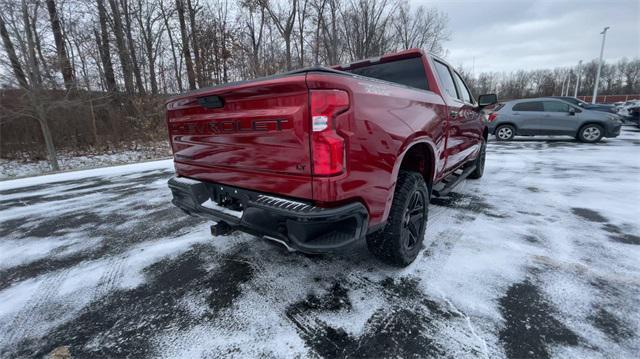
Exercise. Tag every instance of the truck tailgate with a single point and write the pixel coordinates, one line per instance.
(252, 135)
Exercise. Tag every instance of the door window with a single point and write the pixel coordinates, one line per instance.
(529, 106)
(445, 78)
(555, 106)
(466, 96)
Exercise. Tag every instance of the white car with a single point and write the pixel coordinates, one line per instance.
(623, 109)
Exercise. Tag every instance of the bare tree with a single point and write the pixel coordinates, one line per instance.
(284, 20)
(318, 6)
(135, 67)
(123, 51)
(332, 33)
(195, 33)
(185, 45)
(151, 34)
(421, 28)
(102, 39)
(35, 108)
(63, 59)
(254, 21)
(366, 22)
(225, 28)
(631, 72)
(11, 53)
(32, 61)
(302, 20)
(177, 69)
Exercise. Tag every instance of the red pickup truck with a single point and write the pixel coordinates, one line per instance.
(320, 158)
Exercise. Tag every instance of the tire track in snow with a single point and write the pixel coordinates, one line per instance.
(110, 277)
(34, 310)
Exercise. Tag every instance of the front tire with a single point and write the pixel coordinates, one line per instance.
(479, 162)
(505, 132)
(590, 133)
(400, 241)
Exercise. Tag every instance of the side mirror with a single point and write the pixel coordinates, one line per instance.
(487, 99)
(572, 111)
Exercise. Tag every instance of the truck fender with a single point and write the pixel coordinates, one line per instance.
(429, 171)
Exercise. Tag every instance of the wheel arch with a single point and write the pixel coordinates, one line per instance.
(418, 155)
(590, 122)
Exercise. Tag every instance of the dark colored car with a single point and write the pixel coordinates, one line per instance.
(318, 159)
(589, 106)
(550, 116)
(634, 115)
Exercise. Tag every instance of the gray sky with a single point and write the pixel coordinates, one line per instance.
(523, 34)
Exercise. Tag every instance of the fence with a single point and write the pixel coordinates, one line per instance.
(610, 98)
(78, 121)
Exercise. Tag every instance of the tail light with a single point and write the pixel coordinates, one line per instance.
(327, 147)
(492, 116)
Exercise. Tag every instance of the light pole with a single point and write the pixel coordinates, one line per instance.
(595, 86)
(575, 92)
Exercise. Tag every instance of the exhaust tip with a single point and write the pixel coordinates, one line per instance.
(280, 241)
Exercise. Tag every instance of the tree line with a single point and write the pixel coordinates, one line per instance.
(168, 46)
(94, 72)
(616, 78)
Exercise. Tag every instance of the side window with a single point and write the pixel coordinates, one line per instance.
(555, 106)
(528, 106)
(466, 96)
(446, 79)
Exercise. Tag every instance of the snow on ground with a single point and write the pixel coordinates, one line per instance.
(539, 258)
(73, 161)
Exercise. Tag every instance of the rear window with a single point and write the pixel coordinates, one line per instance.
(528, 106)
(408, 72)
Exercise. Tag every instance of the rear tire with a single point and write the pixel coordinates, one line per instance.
(479, 162)
(400, 241)
(590, 133)
(505, 132)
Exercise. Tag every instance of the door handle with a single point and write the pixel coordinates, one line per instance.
(453, 114)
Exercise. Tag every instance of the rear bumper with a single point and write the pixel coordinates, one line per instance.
(300, 225)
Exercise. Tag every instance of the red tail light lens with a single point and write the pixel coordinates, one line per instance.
(492, 117)
(327, 147)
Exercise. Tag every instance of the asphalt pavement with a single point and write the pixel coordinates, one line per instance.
(539, 258)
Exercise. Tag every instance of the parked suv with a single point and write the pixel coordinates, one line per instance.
(318, 159)
(548, 116)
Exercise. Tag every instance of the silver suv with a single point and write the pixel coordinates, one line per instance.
(547, 116)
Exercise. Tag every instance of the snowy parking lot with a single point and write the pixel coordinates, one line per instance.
(539, 258)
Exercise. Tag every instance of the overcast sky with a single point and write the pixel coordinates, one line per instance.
(522, 34)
